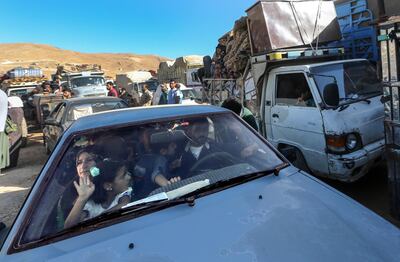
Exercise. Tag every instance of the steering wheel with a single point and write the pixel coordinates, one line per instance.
(221, 158)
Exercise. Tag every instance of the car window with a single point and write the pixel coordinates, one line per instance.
(102, 171)
(55, 110)
(60, 113)
(78, 111)
(293, 90)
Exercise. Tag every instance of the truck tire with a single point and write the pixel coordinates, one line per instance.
(14, 158)
(295, 156)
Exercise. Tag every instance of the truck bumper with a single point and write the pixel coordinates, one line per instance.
(353, 166)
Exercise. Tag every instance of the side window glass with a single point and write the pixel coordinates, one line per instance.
(60, 113)
(54, 112)
(293, 90)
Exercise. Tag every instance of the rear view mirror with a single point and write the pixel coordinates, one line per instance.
(167, 137)
(331, 94)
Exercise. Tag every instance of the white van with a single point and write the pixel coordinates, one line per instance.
(326, 118)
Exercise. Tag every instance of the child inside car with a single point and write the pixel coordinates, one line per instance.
(107, 188)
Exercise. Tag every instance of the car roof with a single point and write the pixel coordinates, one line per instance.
(139, 114)
(81, 100)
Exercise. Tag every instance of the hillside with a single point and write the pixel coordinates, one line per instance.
(47, 57)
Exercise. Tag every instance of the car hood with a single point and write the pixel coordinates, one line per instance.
(359, 117)
(89, 90)
(289, 217)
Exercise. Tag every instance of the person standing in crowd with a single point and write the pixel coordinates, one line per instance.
(175, 95)
(46, 87)
(111, 90)
(124, 95)
(56, 85)
(67, 93)
(4, 143)
(145, 99)
(164, 95)
(233, 105)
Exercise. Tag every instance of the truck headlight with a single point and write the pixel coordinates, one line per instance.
(341, 144)
(351, 141)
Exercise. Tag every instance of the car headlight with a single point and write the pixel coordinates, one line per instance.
(351, 141)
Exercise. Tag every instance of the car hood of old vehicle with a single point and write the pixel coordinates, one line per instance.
(290, 217)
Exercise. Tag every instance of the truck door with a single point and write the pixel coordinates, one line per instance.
(296, 120)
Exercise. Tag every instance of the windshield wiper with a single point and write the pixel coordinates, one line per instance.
(227, 183)
(343, 107)
(371, 93)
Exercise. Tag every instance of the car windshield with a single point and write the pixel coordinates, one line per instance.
(189, 94)
(21, 91)
(77, 111)
(152, 85)
(105, 170)
(87, 81)
(356, 80)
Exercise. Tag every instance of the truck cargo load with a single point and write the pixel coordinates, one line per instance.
(182, 70)
(275, 25)
(21, 72)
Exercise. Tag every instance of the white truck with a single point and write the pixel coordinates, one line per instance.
(323, 114)
(182, 70)
(84, 81)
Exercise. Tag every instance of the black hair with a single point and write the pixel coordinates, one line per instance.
(67, 89)
(93, 150)
(107, 172)
(233, 105)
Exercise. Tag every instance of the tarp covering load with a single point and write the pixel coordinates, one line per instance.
(177, 69)
(283, 24)
(21, 72)
(232, 52)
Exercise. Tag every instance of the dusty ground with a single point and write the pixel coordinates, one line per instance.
(371, 191)
(16, 182)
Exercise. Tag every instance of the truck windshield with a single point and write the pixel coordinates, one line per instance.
(87, 81)
(356, 80)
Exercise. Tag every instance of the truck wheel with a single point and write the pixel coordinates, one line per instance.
(295, 156)
(14, 158)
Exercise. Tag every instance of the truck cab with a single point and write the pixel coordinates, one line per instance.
(88, 85)
(326, 117)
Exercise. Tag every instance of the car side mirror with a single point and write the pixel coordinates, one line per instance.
(51, 122)
(331, 94)
(191, 98)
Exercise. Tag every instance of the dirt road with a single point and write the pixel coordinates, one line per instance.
(16, 182)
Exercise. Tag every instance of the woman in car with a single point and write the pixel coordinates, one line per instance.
(107, 188)
(85, 159)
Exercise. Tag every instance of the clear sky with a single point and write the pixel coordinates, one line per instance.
(170, 28)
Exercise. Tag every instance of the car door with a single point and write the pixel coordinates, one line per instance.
(296, 119)
(55, 131)
(49, 129)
